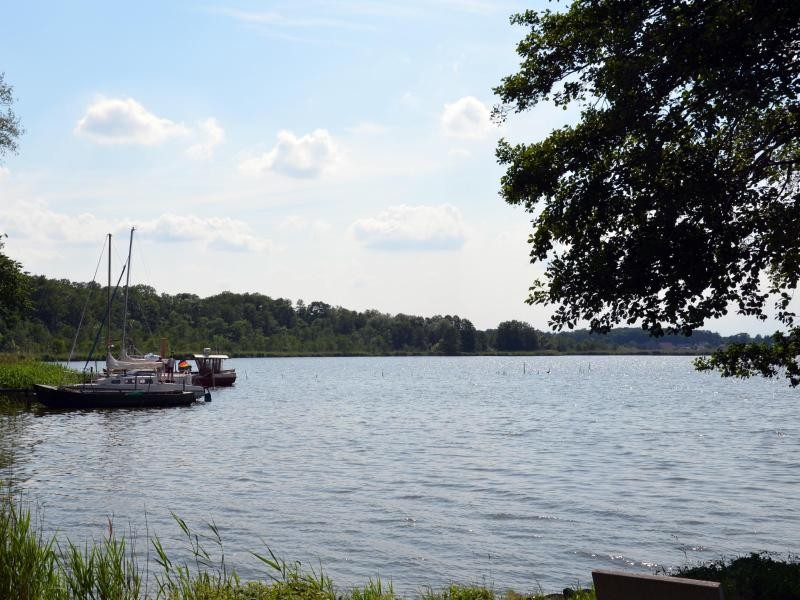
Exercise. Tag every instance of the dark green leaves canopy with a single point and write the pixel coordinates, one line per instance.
(10, 128)
(676, 195)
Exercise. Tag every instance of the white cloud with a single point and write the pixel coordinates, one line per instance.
(125, 121)
(308, 156)
(219, 232)
(212, 135)
(412, 228)
(36, 222)
(466, 118)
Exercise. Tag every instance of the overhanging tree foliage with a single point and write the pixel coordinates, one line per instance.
(10, 128)
(675, 198)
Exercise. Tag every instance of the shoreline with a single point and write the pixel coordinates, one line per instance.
(270, 354)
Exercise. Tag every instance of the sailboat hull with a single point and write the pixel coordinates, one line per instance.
(78, 397)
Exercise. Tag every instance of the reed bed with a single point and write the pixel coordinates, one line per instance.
(20, 373)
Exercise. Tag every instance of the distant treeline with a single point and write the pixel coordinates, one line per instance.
(254, 324)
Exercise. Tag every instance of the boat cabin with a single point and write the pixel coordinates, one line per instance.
(209, 363)
(210, 372)
(140, 377)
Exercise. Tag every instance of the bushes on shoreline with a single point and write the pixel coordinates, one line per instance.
(751, 577)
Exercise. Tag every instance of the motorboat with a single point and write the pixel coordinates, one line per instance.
(210, 371)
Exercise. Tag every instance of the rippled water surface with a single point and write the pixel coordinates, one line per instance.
(518, 472)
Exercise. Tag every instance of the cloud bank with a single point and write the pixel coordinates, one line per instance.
(36, 222)
(222, 233)
(406, 227)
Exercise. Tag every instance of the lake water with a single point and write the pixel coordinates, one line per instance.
(515, 472)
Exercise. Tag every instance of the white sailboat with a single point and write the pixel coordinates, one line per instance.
(126, 362)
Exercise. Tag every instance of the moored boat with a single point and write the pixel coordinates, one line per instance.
(210, 372)
(139, 389)
(73, 397)
(130, 383)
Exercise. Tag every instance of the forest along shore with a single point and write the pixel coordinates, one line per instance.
(257, 325)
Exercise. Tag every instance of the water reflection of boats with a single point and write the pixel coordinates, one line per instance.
(131, 390)
(210, 371)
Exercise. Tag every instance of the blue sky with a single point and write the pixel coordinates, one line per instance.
(336, 151)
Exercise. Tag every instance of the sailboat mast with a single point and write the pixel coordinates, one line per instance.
(127, 283)
(108, 300)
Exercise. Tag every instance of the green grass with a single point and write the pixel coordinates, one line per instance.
(21, 373)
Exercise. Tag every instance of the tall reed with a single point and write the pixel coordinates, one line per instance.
(28, 563)
(108, 570)
(33, 567)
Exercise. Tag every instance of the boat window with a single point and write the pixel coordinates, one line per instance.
(115, 381)
(129, 381)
